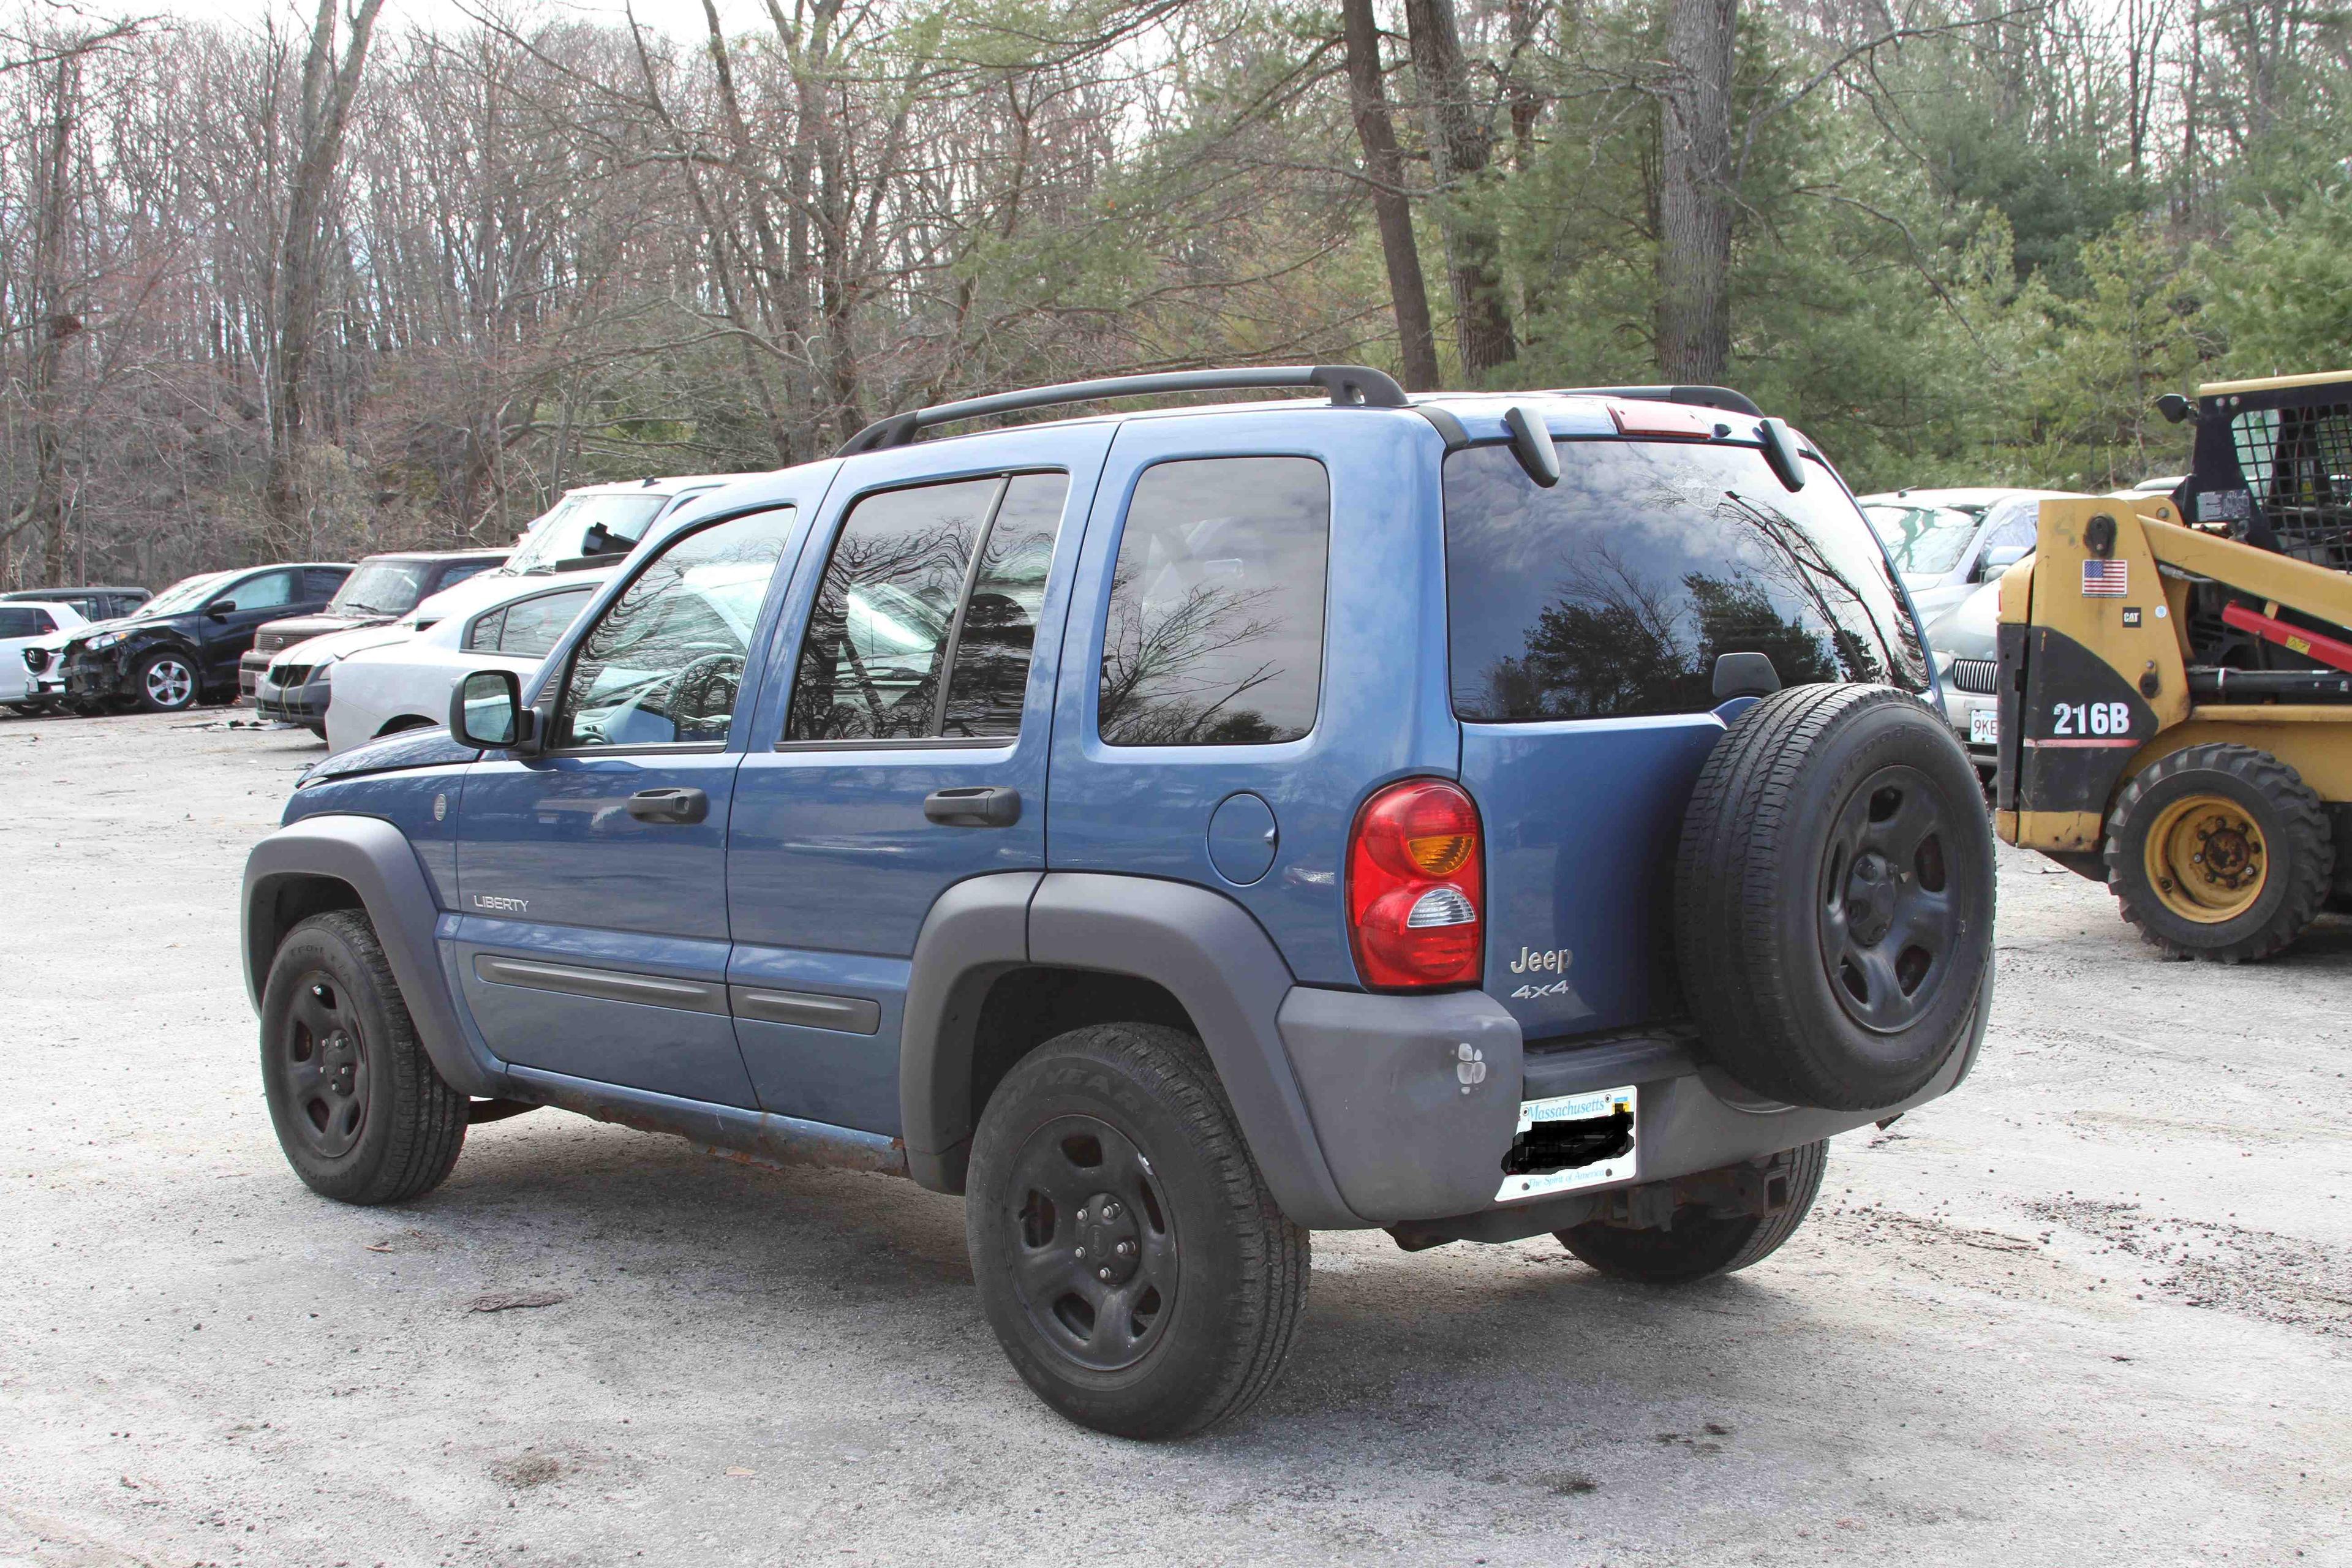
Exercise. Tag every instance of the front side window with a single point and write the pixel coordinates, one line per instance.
(664, 665)
(1612, 594)
(941, 581)
(267, 592)
(19, 621)
(1215, 630)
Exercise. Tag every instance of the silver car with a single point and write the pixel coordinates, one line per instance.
(1946, 543)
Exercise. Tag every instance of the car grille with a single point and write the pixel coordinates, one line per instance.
(36, 659)
(1977, 675)
(290, 674)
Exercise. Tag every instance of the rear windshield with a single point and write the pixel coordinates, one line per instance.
(1612, 595)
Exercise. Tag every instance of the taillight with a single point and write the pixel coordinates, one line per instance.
(1417, 887)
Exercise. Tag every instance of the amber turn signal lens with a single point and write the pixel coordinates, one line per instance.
(1442, 856)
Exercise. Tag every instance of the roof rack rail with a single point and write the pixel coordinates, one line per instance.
(1697, 397)
(1350, 385)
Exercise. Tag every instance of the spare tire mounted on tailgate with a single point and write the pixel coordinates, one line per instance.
(1833, 897)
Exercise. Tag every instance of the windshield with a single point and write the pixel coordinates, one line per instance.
(563, 534)
(1612, 594)
(382, 588)
(181, 595)
(1925, 540)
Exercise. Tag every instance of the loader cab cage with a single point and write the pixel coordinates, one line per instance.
(2272, 465)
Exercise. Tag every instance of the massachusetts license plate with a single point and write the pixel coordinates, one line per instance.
(1984, 727)
(1610, 1110)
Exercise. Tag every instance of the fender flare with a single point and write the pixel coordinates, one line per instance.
(1200, 946)
(375, 859)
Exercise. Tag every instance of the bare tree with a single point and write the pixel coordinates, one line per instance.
(1459, 146)
(328, 85)
(1392, 207)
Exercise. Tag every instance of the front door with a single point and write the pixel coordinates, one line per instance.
(226, 635)
(592, 878)
(906, 753)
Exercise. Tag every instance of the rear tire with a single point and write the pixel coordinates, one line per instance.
(2220, 852)
(1117, 1137)
(359, 1110)
(1700, 1246)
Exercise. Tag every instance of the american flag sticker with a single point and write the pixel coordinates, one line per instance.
(2105, 579)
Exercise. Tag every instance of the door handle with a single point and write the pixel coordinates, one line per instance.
(989, 805)
(679, 805)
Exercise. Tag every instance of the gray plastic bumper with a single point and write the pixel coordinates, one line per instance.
(1414, 1099)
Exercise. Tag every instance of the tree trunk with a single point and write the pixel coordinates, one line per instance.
(327, 89)
(53, 323)
(1694, 193)
(1384, 166)
(1457, 155)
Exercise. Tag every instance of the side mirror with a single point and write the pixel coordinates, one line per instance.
(221, 609)
(2000, 559)
(2174, 408)
(485, 711)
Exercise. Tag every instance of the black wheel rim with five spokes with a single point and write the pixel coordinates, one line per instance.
(1887, 915)
(1094, 1254)
(322, 1062)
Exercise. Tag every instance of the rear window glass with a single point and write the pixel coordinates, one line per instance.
(1612, 594)
(1215, 630)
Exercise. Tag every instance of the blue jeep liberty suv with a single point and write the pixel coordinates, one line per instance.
(1179, 831)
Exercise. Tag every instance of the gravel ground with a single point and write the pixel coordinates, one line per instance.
(2096, 1307)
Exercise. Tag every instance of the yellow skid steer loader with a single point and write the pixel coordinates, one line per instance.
(2175, 687)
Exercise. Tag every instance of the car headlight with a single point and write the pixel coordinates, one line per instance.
(105, 640)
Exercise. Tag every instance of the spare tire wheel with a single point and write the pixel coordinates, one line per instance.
(1833, 897)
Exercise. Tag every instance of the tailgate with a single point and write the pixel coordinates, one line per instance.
(1582, 818)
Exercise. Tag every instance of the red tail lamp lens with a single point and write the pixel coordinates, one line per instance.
(1417, 887)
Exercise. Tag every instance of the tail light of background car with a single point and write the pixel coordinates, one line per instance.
(1417, 887)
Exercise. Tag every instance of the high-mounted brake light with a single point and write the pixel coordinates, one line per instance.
(1417, 887)
(1673, 420)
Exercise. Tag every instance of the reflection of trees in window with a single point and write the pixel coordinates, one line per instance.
(1163, 683)
(1214, 635)
(869, 663)
(1615, 644)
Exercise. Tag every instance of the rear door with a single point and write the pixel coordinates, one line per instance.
(901, 747)
(1584, 622)
(591, 878)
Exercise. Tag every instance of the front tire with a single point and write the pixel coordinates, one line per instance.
(167, 683)
(361, 1112)
(1140, 1276)
(2220, 852)
(1700, 1246)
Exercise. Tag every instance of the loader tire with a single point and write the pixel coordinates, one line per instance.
(2220, 852)
(1833, 897)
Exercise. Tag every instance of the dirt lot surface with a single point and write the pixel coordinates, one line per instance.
(2096, 1307)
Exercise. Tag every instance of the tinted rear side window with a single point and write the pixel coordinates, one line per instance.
(1612, 595)
(1215, 633)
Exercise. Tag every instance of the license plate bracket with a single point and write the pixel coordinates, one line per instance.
(1572, 1140)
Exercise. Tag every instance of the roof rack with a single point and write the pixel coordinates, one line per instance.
(1697, 397)
(1350, 385)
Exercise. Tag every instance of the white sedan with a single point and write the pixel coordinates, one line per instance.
(491, 622)
(25, 623)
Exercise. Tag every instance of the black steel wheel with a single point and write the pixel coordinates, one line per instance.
(1136, 1271)
(360, 1112)
(1096, 1269)
(1886, 910)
